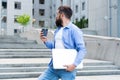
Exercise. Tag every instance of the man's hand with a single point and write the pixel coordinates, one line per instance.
(70, 67)
(43, 38)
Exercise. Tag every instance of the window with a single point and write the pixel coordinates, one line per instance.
(17, 5)
(42, 1)
(83, 5)
(76, 19)
(4, 19)
(33, 11)
(33, 1)
(4, 5)
(41, 23)
(76, 9)
(61, 2)
(41, 12)
(15, 18)
(15, 30)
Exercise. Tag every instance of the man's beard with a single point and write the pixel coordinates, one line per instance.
(59, 22)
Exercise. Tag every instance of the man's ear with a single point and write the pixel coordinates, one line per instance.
(62, 15)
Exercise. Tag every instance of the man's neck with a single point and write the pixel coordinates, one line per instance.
(66, 22)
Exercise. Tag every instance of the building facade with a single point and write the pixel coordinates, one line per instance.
(104, 17)
(44, 11)
(9, 10)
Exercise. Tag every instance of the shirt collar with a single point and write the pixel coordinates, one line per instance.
(68, 26)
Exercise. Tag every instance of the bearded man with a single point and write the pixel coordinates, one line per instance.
(66, 36)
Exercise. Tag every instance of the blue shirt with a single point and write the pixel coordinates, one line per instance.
(72, 39)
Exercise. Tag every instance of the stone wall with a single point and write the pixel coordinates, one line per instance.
(103, 48)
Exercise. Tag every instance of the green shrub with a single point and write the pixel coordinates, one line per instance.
(23, 19)
(83, 23)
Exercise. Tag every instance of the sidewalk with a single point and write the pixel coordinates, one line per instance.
(102, 77)
(106, 77)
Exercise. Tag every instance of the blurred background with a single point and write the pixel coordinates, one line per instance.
(96, 17)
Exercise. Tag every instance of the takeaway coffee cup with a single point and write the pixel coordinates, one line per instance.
(45, 32)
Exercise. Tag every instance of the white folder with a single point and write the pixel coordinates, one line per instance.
(63, 57)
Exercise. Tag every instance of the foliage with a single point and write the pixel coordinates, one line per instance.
(83, 23)
(23, 19)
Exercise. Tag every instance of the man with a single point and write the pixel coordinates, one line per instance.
(66, 36)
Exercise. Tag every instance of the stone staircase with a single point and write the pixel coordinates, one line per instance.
(22, 59)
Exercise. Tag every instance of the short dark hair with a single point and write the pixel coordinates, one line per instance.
(66, 10)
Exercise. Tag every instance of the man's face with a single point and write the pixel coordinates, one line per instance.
(58, 20)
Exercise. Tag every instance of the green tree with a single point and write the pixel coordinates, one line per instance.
(83, 23)
(23, 19)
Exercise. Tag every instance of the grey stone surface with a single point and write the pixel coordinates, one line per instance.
(26, 63)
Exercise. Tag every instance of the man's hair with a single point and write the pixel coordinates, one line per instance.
(66, 10)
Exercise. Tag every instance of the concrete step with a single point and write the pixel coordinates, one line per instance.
(12, 38)
(44, 61)
(98, 72)
(22, 46)
(17, 41)
(25, 52)
(36, 74)
(22, 79)
(25, 56)
(22, 69)
(19, 75)
(101, 67)
(42, 68)
(101, 77)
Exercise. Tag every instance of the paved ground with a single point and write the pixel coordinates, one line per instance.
(106, 77)
(109, 77)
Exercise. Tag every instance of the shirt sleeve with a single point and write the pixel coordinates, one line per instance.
(80, 47)
(49, 44)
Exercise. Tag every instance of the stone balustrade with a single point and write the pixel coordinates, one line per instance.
(103, 48)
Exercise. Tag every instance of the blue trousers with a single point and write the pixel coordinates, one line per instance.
(56, 74)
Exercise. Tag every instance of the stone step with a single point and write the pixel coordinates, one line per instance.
(25, 50)
(101, 67)
(87, 65)
(22, 79)
(33, 62)
(98, 72)
(25, 53)
(22, 69)
(12, 38)
(22, 46)
(17, 41)
(25, 56)
(41, 69)
(22, 65)
(19, 75)
(36, 74)
(101, 77)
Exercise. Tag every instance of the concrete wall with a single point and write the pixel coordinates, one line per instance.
(103, 48)
(97, 10)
